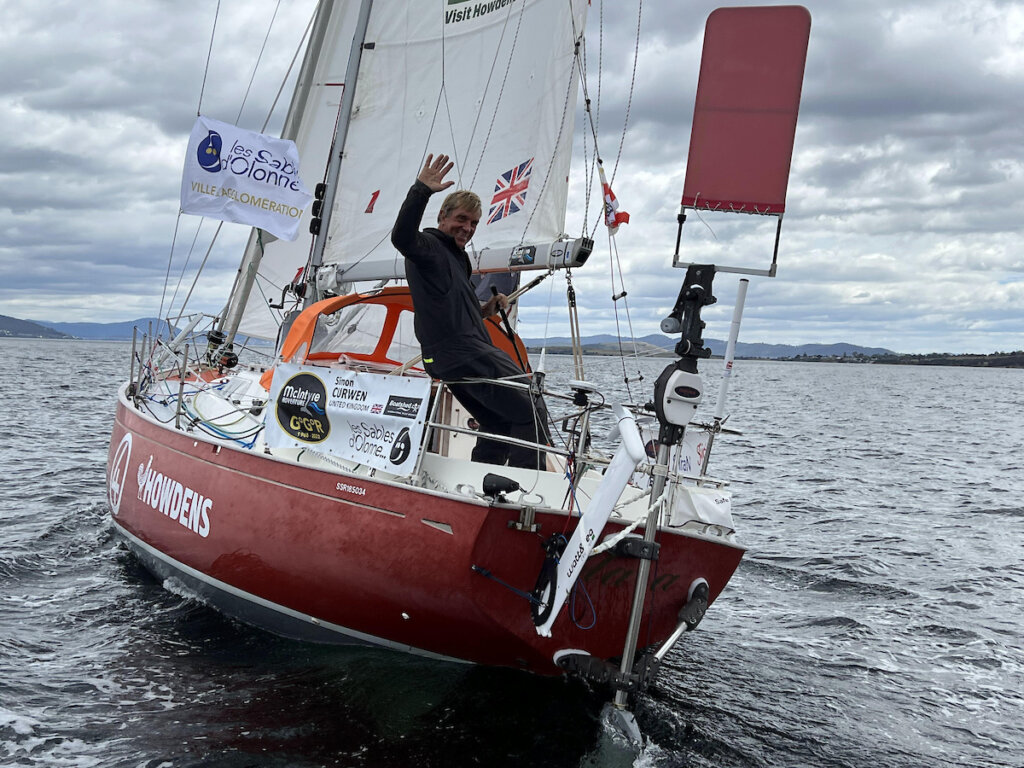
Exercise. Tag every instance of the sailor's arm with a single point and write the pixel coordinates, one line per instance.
(406, 231)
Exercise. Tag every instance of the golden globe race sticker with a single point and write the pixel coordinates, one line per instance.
(301, 408)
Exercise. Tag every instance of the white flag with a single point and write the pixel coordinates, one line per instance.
(245, 177)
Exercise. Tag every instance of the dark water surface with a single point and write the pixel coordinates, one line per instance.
(876, 620)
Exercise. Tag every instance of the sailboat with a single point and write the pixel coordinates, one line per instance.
(330, 495)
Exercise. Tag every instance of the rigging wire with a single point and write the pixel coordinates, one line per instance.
(167, 275)
(592, 114)
(199, 271)
(209, 54)
(501, 90)
(263, 128)
(593, 122)
(259, 58)
(181, 275)
(613, 264)
(632, 86)
(558, 139)
(287, 74)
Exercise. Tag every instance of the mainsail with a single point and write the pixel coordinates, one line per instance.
(493, 84)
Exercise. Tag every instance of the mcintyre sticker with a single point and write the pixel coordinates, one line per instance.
(302, 408)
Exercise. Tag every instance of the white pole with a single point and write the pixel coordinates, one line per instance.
(730, 354)
(730, 347)
(583, 540)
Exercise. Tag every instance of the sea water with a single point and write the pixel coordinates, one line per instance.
(876, 619)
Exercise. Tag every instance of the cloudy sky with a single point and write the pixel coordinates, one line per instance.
(906, 199)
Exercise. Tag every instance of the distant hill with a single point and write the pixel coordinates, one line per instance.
(106, 331)
(13, 328)
(123, 331)
(607, 344)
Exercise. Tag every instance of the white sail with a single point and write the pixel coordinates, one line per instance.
(492, 83)
(311, 122)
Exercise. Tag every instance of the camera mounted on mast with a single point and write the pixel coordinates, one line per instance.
(679, 388)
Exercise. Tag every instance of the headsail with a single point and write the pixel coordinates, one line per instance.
(493, 84)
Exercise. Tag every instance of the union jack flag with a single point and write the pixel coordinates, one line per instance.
(377, 408)
(510, 192)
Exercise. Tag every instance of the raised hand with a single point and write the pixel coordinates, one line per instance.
(434, 171)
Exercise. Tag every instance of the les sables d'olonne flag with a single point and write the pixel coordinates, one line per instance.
(242, 176)
(613, 217)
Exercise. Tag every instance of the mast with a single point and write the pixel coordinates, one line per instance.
(334, 168)
(253, 254)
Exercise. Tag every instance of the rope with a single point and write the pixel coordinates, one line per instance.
(570, 463)
(580, 588)
(588, 107)
(610, 543)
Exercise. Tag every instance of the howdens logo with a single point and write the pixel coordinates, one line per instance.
(177, 501)
(464, 12)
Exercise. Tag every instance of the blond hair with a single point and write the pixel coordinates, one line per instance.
(463, 199)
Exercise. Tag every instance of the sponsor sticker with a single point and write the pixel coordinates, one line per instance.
(301, 409)
(404, 407)
(370, 418)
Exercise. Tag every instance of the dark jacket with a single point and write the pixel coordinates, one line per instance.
(447, 322)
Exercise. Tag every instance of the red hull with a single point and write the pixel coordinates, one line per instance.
(377, 561)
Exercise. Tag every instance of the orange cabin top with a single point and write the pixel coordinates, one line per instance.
(378, 331)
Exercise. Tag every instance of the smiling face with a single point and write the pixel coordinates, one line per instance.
(460, 223)
(460, 213)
